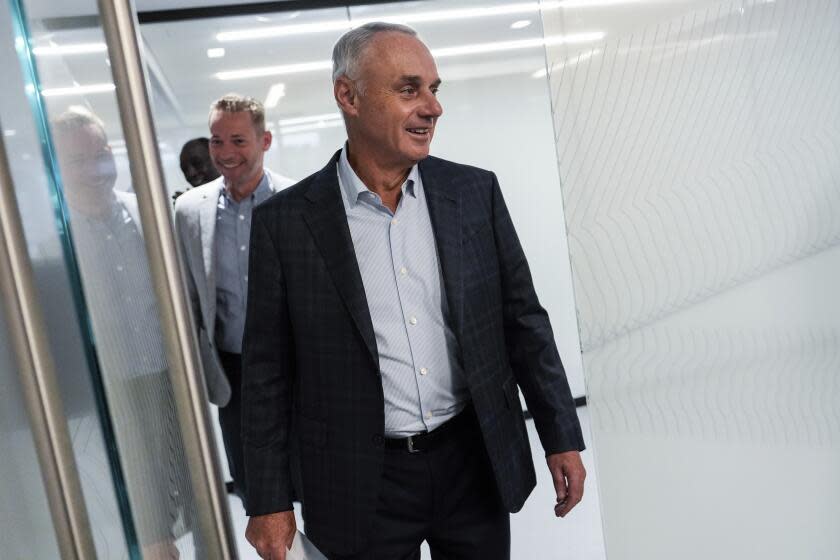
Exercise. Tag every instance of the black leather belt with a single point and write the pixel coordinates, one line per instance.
(427, 441)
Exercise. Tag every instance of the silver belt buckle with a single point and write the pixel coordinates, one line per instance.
(411, 449)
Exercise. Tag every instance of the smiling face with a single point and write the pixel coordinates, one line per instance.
(237, 149)
(196, 164)
(391, 107)
(88, 170)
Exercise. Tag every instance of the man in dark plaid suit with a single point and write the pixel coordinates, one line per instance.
(392, 319)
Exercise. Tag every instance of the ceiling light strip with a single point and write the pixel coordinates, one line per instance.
(421, 17)
(445, 52)
(78, 90)
(78, 48)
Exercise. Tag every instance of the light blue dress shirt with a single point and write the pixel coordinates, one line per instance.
(232, 239)
(419, 358)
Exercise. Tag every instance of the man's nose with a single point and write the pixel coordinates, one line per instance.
(431, 109)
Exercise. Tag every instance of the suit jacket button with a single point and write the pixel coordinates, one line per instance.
(378, 440)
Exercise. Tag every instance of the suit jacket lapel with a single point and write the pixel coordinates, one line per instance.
(445, 211)
(327, 221)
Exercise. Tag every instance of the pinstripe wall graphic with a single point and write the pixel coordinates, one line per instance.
(699, 150)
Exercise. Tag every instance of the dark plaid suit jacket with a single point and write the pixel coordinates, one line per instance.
(310, 353)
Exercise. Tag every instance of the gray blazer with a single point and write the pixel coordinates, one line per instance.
(195, 227)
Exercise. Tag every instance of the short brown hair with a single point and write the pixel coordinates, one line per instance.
(236, 103)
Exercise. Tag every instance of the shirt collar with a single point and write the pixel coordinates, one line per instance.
(353, 187)
(262, 192)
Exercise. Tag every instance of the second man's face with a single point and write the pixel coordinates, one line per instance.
(237, 148)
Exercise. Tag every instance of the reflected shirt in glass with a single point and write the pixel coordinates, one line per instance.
(118, 288)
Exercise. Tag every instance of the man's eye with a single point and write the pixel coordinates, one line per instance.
(408, 90)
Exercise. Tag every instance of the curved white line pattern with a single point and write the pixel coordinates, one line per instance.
(697, 154)
(765, 386)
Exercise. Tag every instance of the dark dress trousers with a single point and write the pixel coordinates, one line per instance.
(310, 352)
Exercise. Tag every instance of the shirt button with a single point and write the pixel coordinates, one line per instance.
(242, 248)
(395, 221)
(119, 268)
(413, 320)
(423, 371)
(378, 440)
(109, 237)
(241, 216)
(246, 277)
(428, 415)
(403, 271)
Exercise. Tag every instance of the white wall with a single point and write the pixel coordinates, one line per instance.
(698, 150)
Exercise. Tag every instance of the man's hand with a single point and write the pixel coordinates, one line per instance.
(568, 474)
(272, 534)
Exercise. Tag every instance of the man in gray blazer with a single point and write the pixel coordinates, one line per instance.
(213, 224)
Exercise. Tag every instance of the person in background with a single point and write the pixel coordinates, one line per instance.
(213, 226)
(196, 164)
(392, 319)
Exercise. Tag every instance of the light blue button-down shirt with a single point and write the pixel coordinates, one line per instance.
(233, 231)
(422, 378)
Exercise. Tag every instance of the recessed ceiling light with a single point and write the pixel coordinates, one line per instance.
(9, 133)
(217, 52)
(275, 93)
(521, 24)
(263, 19)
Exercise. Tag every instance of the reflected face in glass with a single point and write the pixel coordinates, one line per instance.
(88, 170)
(237, 148)
(196, 164)
(398, 107)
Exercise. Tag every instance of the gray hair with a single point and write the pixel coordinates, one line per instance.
(75, 118)
(348, 51)
(236, 103)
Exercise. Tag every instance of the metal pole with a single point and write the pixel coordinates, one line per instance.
(37, 376)
(120, 27)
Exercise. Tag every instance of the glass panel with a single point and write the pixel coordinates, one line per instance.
(56, 298)
(491, 59)
(86, 243)
(24, 511)
(496, 115)
(177, 54)
(697, 143)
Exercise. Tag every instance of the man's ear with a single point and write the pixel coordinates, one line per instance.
(346, 95)
(267, 137)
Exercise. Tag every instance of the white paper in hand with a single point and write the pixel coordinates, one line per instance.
(302, 549)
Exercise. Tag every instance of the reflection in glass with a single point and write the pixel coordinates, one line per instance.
(122, 309)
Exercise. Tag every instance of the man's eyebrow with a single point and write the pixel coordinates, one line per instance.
(413, 79)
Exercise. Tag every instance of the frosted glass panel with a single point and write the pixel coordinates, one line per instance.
(24, 511)
(86, 244)
(698, 151)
